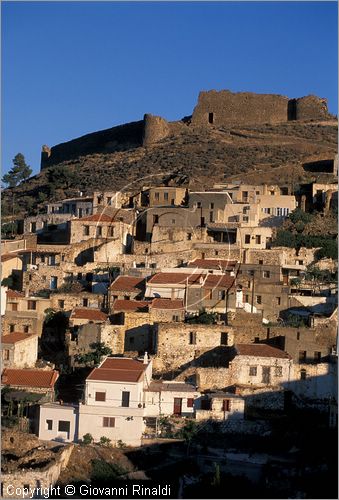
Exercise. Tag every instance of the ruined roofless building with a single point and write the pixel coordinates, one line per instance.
(214, 108)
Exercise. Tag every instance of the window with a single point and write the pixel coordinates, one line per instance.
(209, 294)
(155, 219)
(261, 262)
(211, 206)
(199, 204)
(85, 302)
(86, 230)
(173, 221)
(49, 425)
(258, 239)
(108, 422)
(253, 371)
(192, 338)
(61, 304)
(247, 239)
(26, 328)
(125, 399)
(258, 299)
(221, 294)
(100, 396)
(14, 306)
(298, 335)
(210, 118)
(11, 328)
(226, 405)
(302, 356)
(190, 402)
(156, 196)
(266, 274)
(278, 371)
(98, 231)
(247, 298)
(245, 218)
(63, 426)
(6, 354)
(278, 301)
(223, 338)
(54, 282)
(31, 305)
(189, 236)
(317, 356)
(109, 200)
(303, 374)
(111, 231)
(33, 227)
(211, 216)
(175, 318)
(166, 196)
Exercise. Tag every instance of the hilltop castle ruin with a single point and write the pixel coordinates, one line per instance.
(223, 108)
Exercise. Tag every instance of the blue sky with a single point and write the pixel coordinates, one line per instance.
(70, 68)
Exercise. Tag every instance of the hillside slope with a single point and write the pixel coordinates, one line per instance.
(197, 157)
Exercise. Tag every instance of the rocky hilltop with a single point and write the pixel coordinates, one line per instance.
(230, 136)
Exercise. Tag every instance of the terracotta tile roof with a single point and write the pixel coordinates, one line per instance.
(130, 305)
(175, 279)
(261, 350)
(13, 294)
(127, 284)
(88, 313)
(212, 264)
(14, 337)
(167, 304)
(97, 218)
(29, 378)
(218, 281)
(118, 370)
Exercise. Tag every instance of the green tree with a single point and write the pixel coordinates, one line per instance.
(94, 358)
(18, 173)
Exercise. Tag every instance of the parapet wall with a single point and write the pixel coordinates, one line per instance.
(225, 107)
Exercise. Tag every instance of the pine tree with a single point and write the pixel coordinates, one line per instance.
(18, 173)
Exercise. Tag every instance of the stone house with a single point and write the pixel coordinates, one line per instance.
(166, 310)
(100, 227)
(36, 381)
(77, 207)
(68, 301)
(19, 350)
(126, 287)
(42, 223)
(24, 313)
(221, 406)
(178, 345)
(82, 315)
(166, 196)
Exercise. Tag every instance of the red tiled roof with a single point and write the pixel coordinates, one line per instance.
(175, 279)
(98, 218)
(14, 337)
(88, 313)
(29, 378)
(130, 305)
(260, 350)
(212, 264)
(13, 294)
(167, 304)
(118, 370)
(216, 281)
(127, 284)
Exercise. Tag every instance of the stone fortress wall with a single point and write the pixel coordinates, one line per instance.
(214, 108)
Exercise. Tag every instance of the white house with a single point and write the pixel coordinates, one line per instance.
(119, 396)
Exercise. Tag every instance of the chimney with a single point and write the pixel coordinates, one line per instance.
(145, 358)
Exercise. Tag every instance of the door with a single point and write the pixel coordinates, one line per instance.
(177, 406)
(266, 374)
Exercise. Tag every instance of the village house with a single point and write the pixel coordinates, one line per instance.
(120, 399)
(82, 315)
(221, 406)
(127, 288)
(35, 381)
(24, 313)
(166, 196)
(68, 301)
(19, 350)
